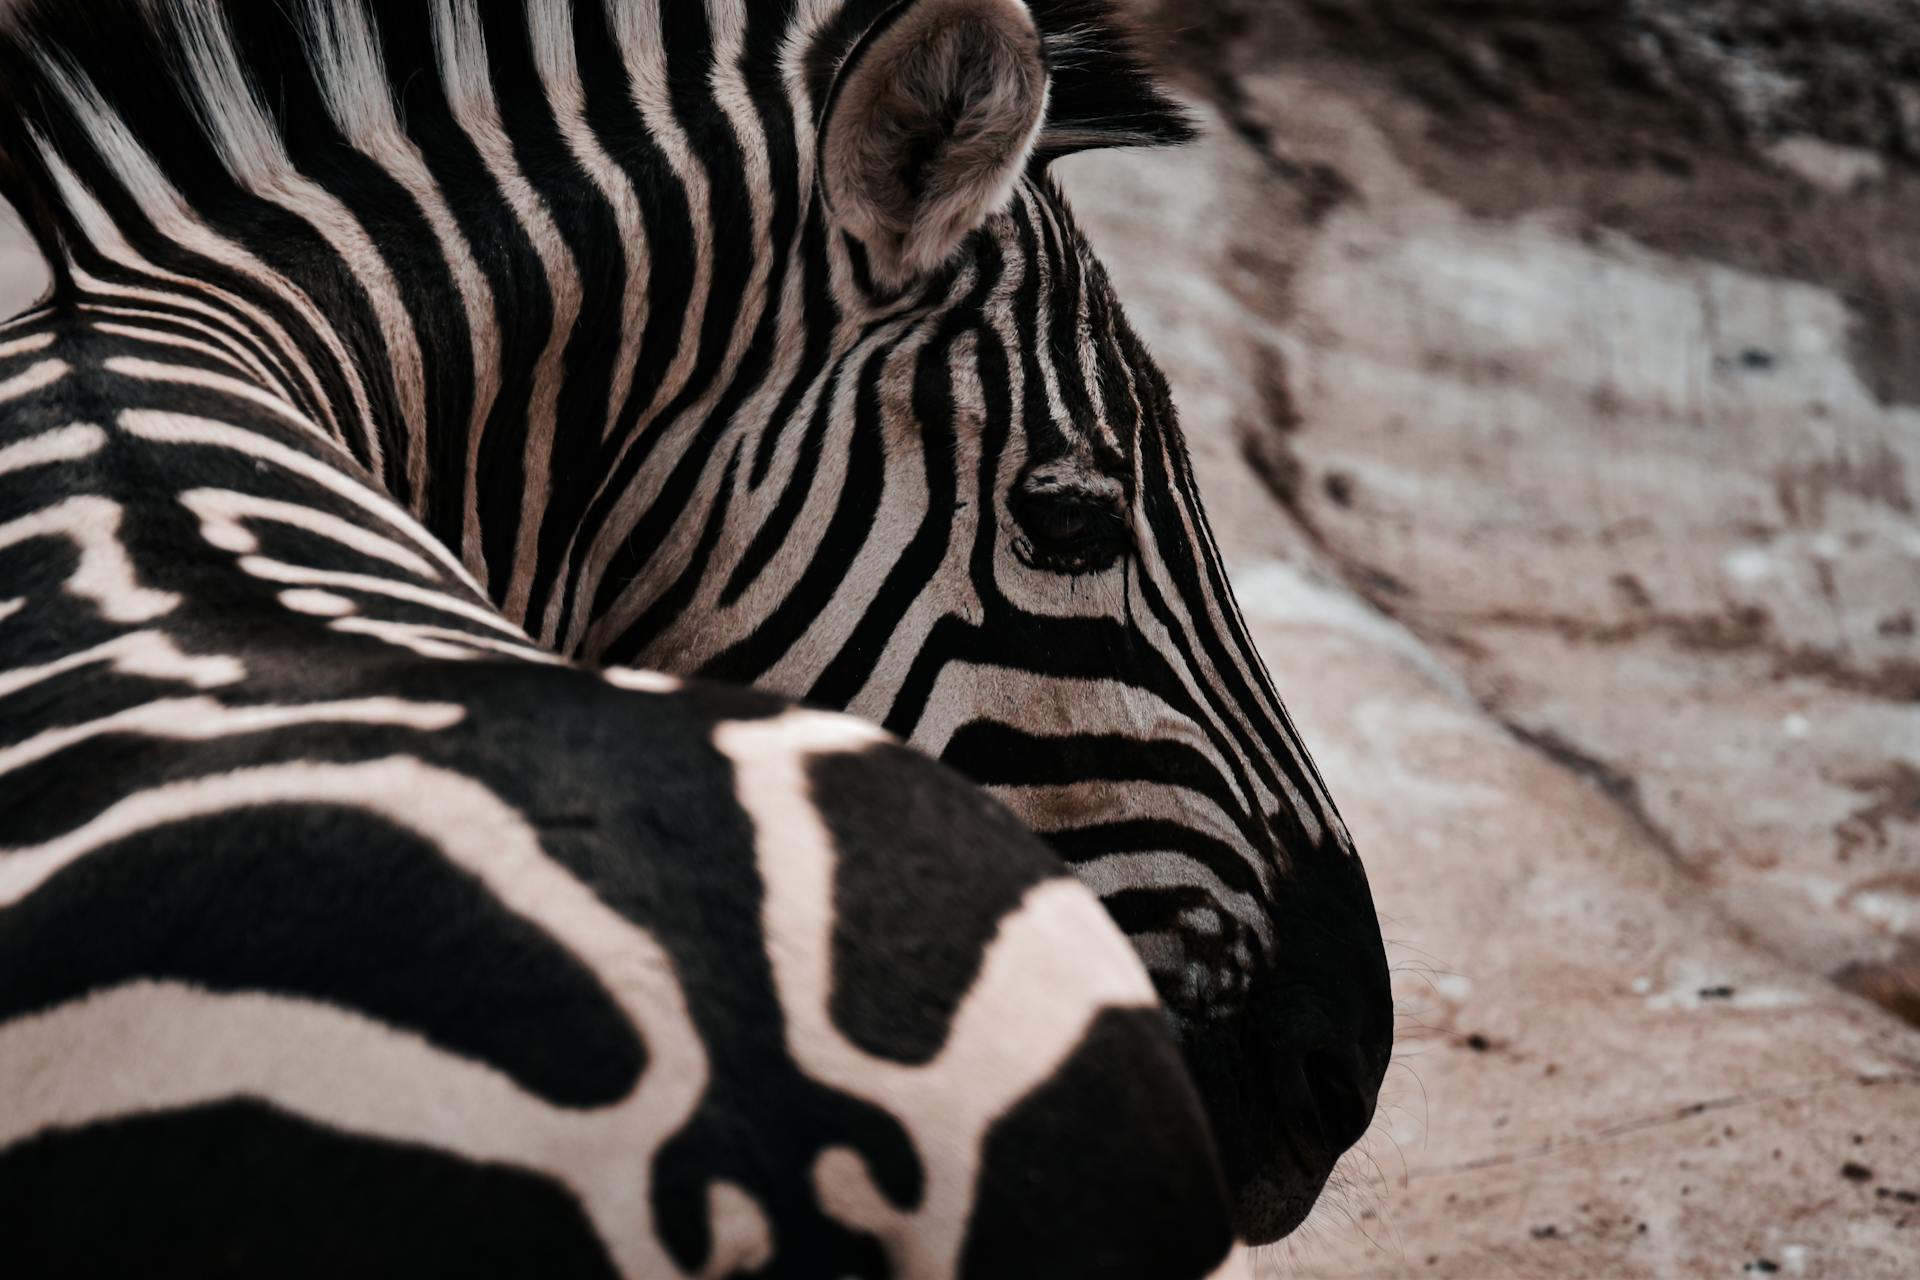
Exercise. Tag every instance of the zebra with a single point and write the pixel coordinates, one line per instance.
(339, 950)
(344, 931)
(756, 342)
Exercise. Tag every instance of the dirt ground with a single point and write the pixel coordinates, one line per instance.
(1553, 368)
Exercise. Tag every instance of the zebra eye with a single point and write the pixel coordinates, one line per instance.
(1068, 532)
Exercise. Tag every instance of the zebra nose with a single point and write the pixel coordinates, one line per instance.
(1343, 1095)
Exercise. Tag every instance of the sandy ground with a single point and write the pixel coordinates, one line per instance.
(1584, 550)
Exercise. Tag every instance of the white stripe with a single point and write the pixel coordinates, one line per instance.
(595, 631)
(1118, 873)
(1066, 806)
(221, 510)
(236, 350)
(25, 346)
(150, 654)
(440, 642)
(174, 340)
(349, 67)
(254, 153)
(302, 576)
(175, 219)
(149, 1047)
(636, 30)
(181, 429)
(1054, 962)
(202, 720)
(64, 444)
(105, 574)
(642, 681)
(186, 376)
(1251, 718)
(38, 378)
(551, 33)
(1050, 707)
(461, 45)
(316, 603)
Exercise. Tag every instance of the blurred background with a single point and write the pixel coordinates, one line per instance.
(1553, 371)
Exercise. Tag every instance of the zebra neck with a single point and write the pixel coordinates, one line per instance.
(498, 250)
(488, 248)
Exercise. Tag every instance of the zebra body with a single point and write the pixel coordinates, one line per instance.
(342, 932)
(753, 341)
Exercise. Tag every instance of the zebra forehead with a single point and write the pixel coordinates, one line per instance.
(1054, 309)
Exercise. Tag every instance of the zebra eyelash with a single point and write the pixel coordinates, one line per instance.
(1106, 542)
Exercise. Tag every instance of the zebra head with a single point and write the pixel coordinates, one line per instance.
(753, 340)
(971, 517)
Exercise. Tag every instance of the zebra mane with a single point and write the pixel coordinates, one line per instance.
(1103, 92)
(248, 87)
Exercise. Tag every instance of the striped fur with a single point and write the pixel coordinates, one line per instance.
(566, 280)
(345, 931)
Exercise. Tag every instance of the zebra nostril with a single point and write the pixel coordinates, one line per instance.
(1342, 1100)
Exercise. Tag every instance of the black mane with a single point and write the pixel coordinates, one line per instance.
(1104, 93)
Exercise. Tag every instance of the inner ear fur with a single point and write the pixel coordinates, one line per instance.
(931, 123)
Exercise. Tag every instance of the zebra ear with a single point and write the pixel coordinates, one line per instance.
(928, 127)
